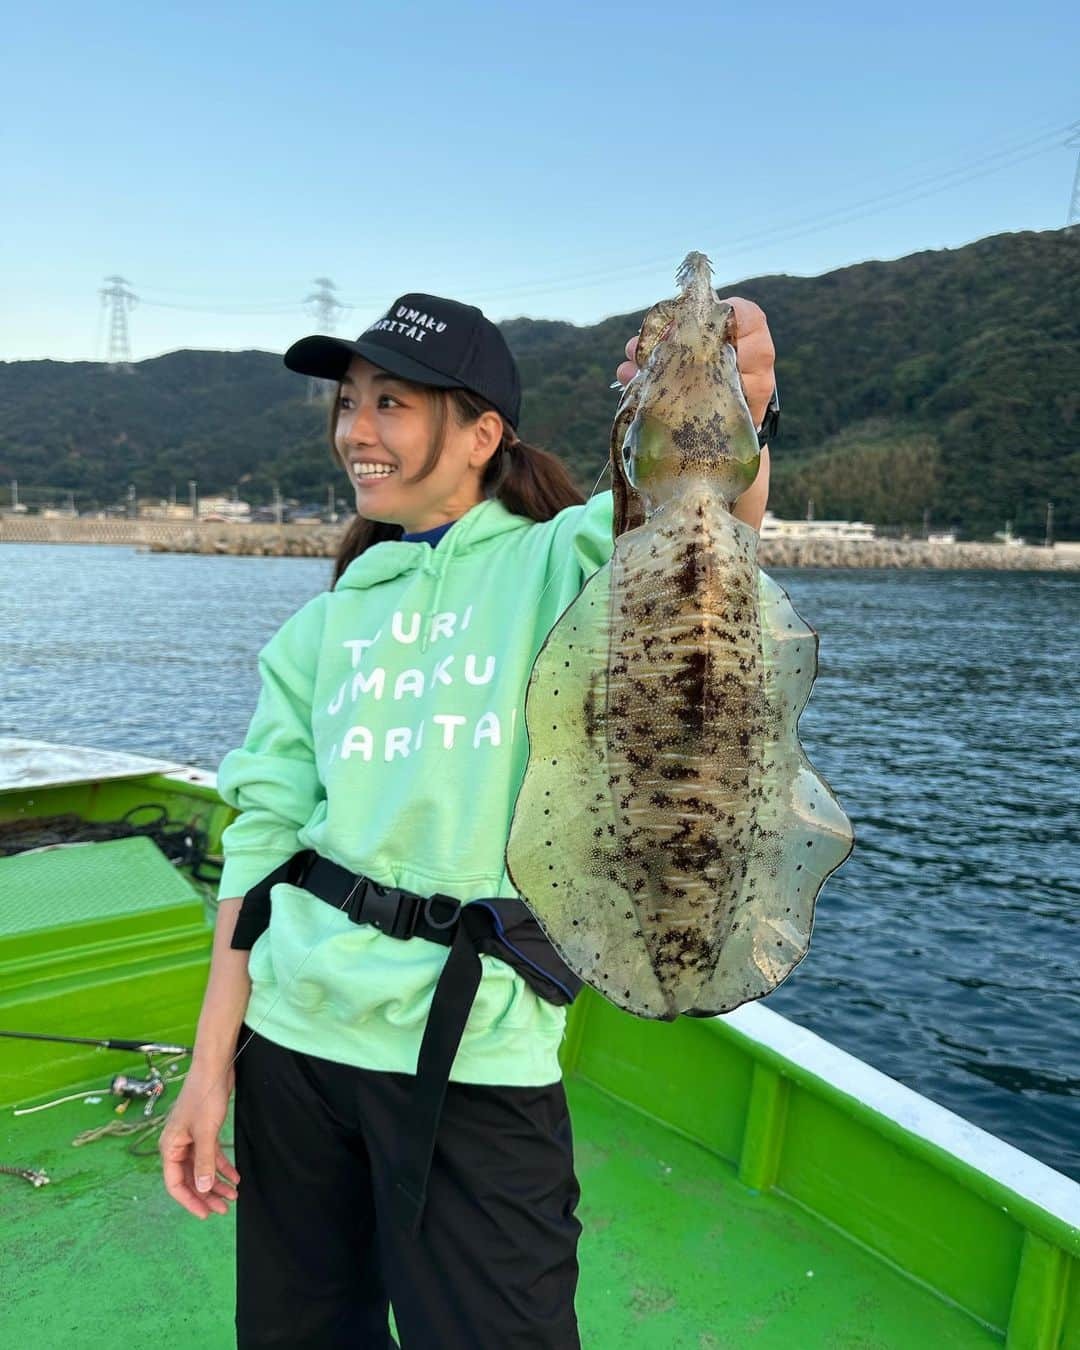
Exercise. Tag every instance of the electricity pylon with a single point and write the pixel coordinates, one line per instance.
(1073, 222)
(120, 299)
(326, 307)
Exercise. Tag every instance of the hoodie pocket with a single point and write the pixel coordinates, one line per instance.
(322, 963)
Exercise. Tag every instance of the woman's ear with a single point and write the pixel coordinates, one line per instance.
(487, 434)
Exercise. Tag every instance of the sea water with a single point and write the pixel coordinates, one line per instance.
(945, 950)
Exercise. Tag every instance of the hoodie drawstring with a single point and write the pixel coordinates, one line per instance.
(442, 562)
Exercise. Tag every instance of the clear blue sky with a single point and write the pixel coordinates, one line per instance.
(544, 159)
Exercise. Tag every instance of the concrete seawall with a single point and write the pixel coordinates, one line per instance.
(177, 536)
(321, 541)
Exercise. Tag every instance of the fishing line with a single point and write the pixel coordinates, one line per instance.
(253, 1030)
(604, 470)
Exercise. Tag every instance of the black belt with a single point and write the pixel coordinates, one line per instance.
(501, 926)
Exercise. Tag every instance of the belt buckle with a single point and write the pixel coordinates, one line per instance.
(388, 909)
(452, 917)
(300, 865)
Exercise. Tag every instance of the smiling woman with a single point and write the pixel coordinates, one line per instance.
(419, 457)
(400, 1121)
(383, 430)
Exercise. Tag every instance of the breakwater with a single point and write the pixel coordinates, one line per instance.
(321, 541)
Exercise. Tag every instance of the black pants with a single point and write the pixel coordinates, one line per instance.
(318, 1257)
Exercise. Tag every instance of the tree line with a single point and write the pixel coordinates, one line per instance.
(941, 383)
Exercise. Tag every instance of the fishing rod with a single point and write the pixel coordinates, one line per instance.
(149, 1089)
(106, 1043)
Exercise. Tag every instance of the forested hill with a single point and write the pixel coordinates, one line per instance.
(945, 381)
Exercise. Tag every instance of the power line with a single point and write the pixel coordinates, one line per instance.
(784, 233)
(327, 306)
(270, 307)
(940, 181)
(188, 294)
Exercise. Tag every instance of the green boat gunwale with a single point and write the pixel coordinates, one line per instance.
(993, 1168)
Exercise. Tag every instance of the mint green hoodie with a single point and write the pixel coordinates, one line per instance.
(389, 736)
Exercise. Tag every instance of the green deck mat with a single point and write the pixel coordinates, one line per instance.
(87, 883)
(676, 1255)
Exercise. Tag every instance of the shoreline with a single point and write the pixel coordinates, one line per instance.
(320, 541)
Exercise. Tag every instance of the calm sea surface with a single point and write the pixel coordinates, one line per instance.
(944, 952)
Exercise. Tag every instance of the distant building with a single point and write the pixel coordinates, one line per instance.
(223, 508)
(850, 530)
(210, 508)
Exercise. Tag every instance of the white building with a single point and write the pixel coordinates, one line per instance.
(774, 528)
(223, 508)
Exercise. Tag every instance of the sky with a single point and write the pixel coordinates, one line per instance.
(551, 160)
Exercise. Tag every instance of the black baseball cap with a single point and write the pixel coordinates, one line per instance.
(429, 340)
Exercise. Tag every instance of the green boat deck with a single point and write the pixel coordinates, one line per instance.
(676, 1253)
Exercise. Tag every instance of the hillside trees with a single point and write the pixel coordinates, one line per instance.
(944, 382)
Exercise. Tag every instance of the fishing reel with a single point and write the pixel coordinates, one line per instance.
(148, 1089)
(151, 1088)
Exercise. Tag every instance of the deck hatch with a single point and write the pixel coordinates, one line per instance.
(87, 883)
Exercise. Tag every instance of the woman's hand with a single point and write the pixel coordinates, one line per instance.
(755, 351)
(190, 1145)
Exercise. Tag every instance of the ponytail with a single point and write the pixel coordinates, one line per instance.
(527, 480)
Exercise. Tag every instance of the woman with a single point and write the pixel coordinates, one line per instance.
(385, 753)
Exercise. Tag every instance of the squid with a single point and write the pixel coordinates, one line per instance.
(669, 835)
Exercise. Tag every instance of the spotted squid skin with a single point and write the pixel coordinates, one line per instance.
(684, 727)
